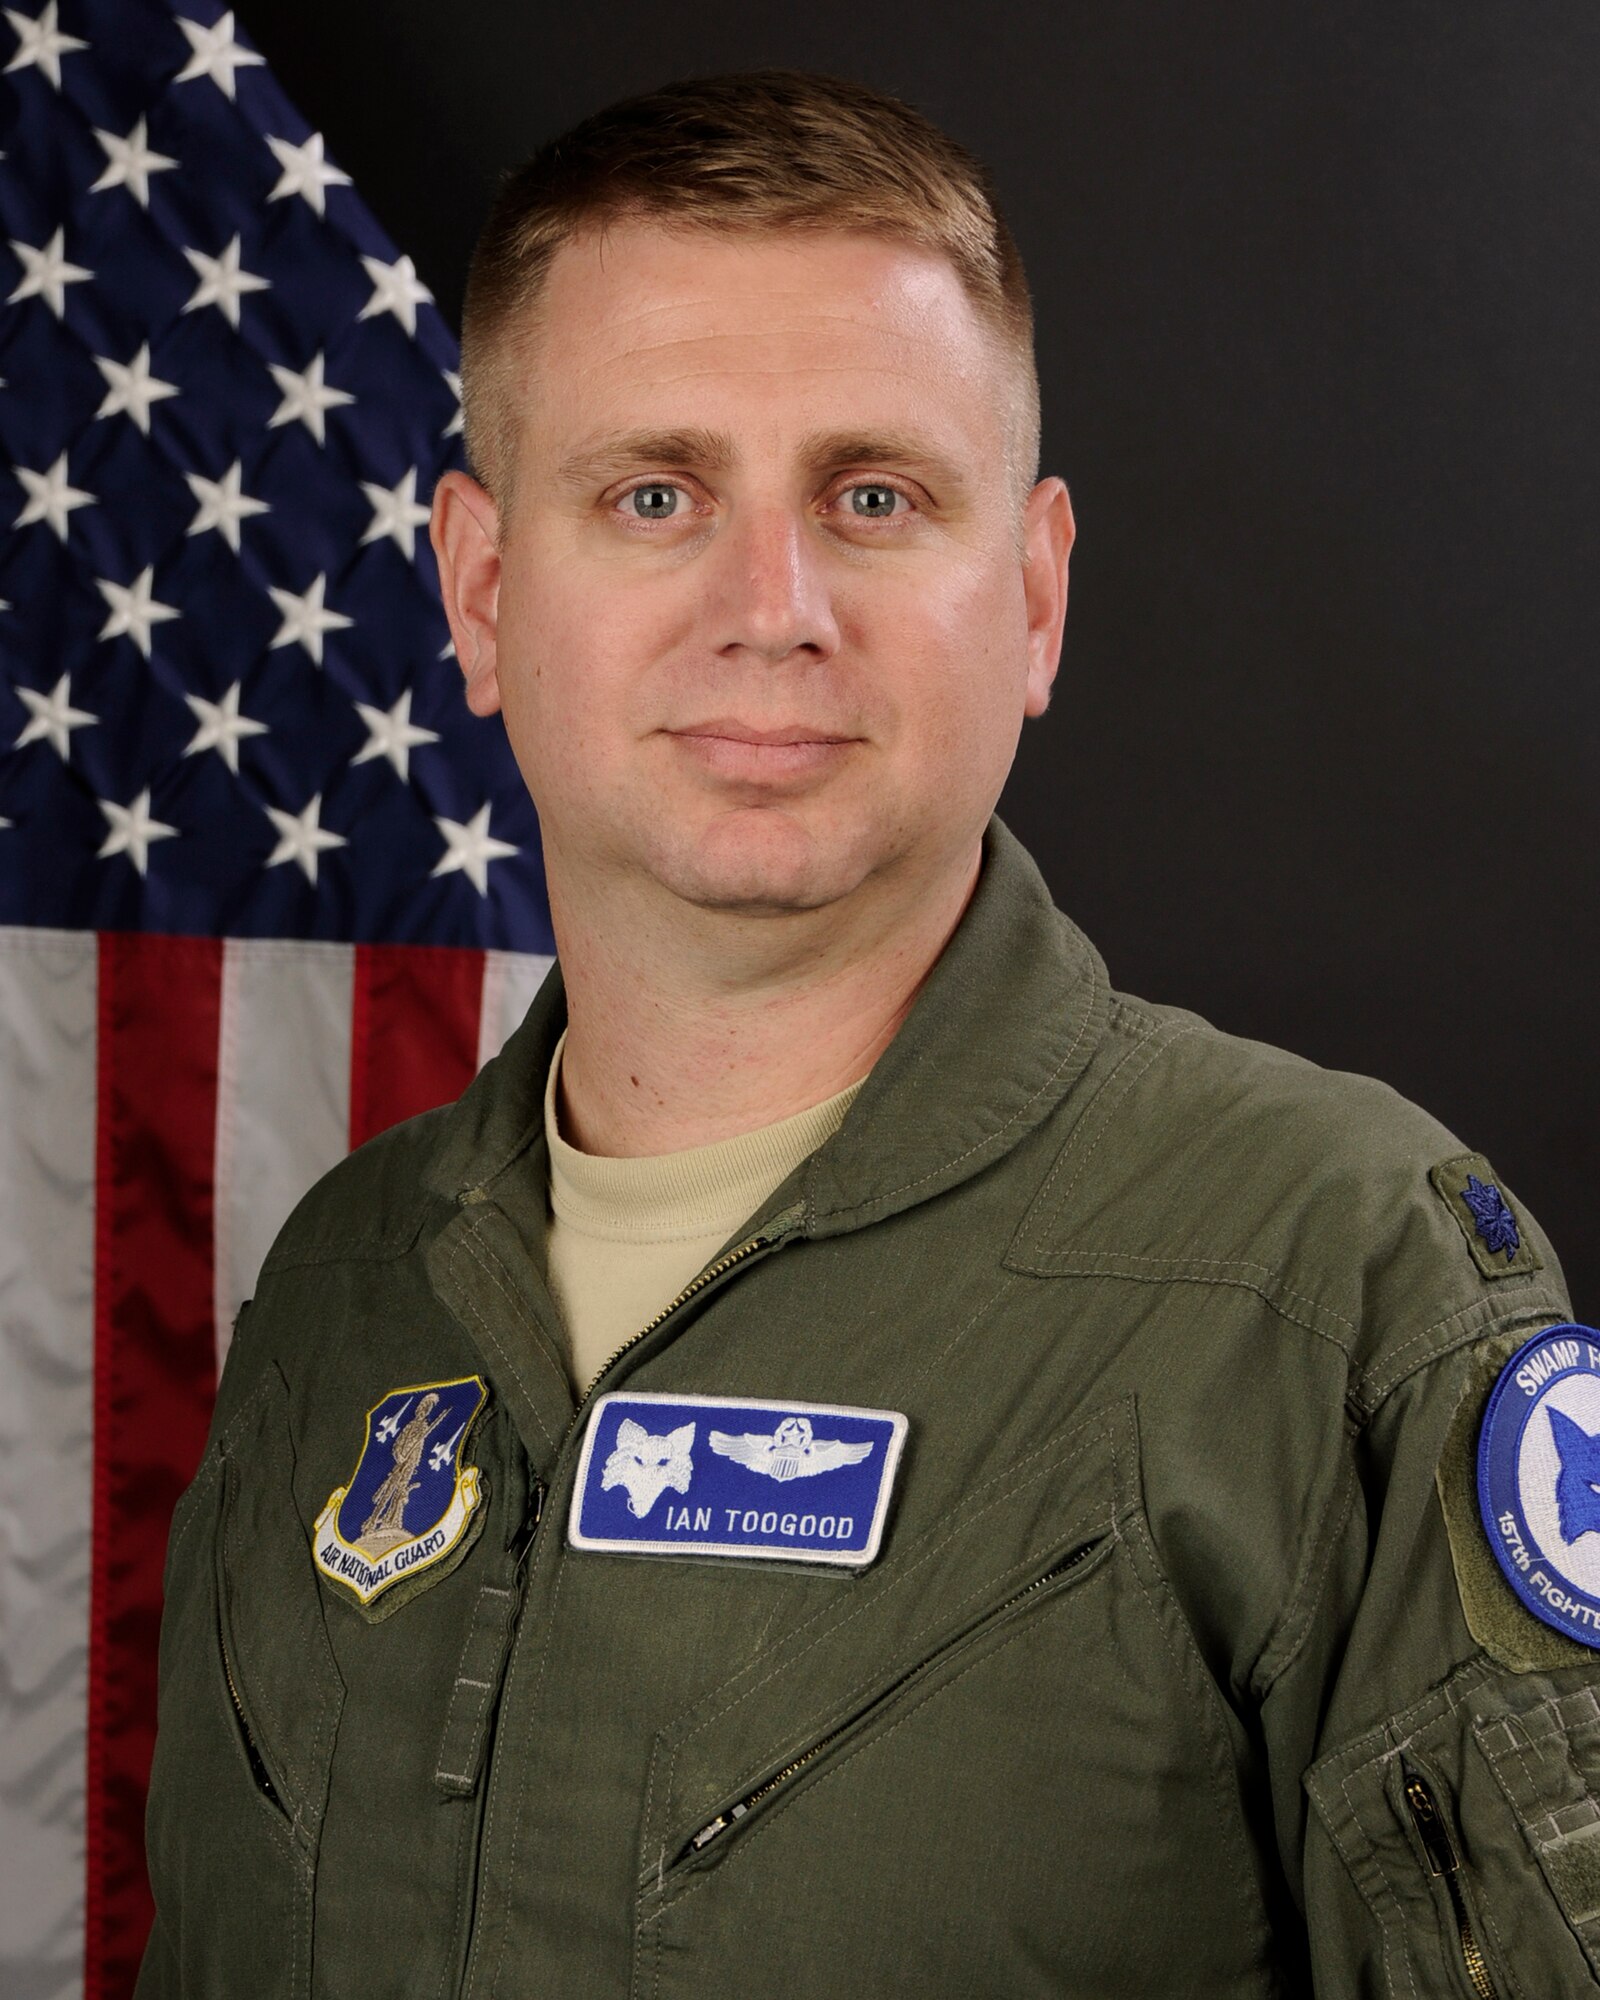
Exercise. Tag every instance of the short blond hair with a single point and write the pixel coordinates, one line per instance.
(766, 149)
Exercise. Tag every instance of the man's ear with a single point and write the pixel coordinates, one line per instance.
(465, 531)
(1047, 534)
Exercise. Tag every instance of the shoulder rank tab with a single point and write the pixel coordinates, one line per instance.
(1500, 1246)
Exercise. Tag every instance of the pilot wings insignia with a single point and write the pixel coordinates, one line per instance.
(790, 1452)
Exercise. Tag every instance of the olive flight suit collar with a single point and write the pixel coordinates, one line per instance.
(1006, 1022)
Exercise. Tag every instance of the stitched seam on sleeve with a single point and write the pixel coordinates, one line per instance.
(1307, 1594)
(1483, 1317)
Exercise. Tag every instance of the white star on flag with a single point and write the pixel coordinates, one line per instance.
(40, 43)
(133, 831)
(397, 513)
(47, 274)
(301, 837)
(132, 388)
(396, 289)
(305, 172)
(215, 54)
(222, 283)
(222, 727)
(470, 848)
(53, 716)
(50, 498)
(133, 609)
(391, 733)
(306, 399)
(304, 619)
(223, 504)
(130, 163)
(454, 427)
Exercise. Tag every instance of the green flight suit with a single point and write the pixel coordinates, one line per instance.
(1164, 1625)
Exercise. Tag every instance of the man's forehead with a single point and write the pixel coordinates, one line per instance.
(644, 296)
(639, 324)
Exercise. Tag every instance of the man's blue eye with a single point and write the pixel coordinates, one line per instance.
(873, 501)
(654, 503)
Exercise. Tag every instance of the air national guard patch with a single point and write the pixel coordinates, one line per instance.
(1539, 1478)
(717, 1476)
(410, 1502)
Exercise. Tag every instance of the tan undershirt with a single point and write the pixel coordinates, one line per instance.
(626, 1236)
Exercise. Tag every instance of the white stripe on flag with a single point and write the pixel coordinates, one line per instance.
(510, 980)
(48, 988)
(283, 1097)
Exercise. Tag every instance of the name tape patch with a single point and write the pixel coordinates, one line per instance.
(728, 1476)
(1539, 1478)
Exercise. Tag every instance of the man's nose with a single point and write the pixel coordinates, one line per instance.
(774, 598)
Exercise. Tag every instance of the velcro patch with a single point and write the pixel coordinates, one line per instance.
(1539, 1478)
(724, 1476)
(410, 1506)
(1500, 1245)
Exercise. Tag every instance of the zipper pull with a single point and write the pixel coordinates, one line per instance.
(1431, 1829)
(536, 1498)
(720, 1824)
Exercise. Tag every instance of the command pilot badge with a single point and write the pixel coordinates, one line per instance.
(720, 1476)
(410, 1501)
(1539, 1478)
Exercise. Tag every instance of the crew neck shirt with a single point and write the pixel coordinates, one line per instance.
(627, 1235)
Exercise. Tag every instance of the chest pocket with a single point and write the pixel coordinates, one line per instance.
(250, 1706)
(282, 1681)
(970, 1775)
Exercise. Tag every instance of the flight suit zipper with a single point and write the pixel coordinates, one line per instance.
(776, 1230)
(768, 1238)
(734, 1813)
(1443, 1862)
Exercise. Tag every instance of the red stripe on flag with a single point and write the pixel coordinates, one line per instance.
(414, 1031)
(155, 1367)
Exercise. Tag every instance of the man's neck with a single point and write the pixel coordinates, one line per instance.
(683, 1033)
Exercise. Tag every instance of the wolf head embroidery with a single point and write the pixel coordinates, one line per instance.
(648, 1465)
(1578, 1484)
(790, 1452)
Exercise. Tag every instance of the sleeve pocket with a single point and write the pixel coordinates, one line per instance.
(1470, 1828)
(1544, 1751)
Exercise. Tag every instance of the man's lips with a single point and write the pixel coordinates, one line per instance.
(745, 751)
(782, 736)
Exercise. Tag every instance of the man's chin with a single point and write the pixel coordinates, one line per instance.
(765, 864)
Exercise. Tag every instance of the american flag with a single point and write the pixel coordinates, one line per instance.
(265, 884)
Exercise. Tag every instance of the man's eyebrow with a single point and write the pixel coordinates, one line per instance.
(896, 451)
(694, 449)
(689, 450)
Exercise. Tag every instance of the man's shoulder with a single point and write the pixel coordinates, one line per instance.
(1207, 1158)
(1228, 1089)
(375, 1203)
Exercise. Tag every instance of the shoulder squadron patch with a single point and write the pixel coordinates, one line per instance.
(1539, 1478)
(1500, 1246)
(717, 1476)
(410, 1502)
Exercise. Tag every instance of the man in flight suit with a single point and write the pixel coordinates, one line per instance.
(946, 1479)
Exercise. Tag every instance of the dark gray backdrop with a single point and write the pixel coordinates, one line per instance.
(1317, 292)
